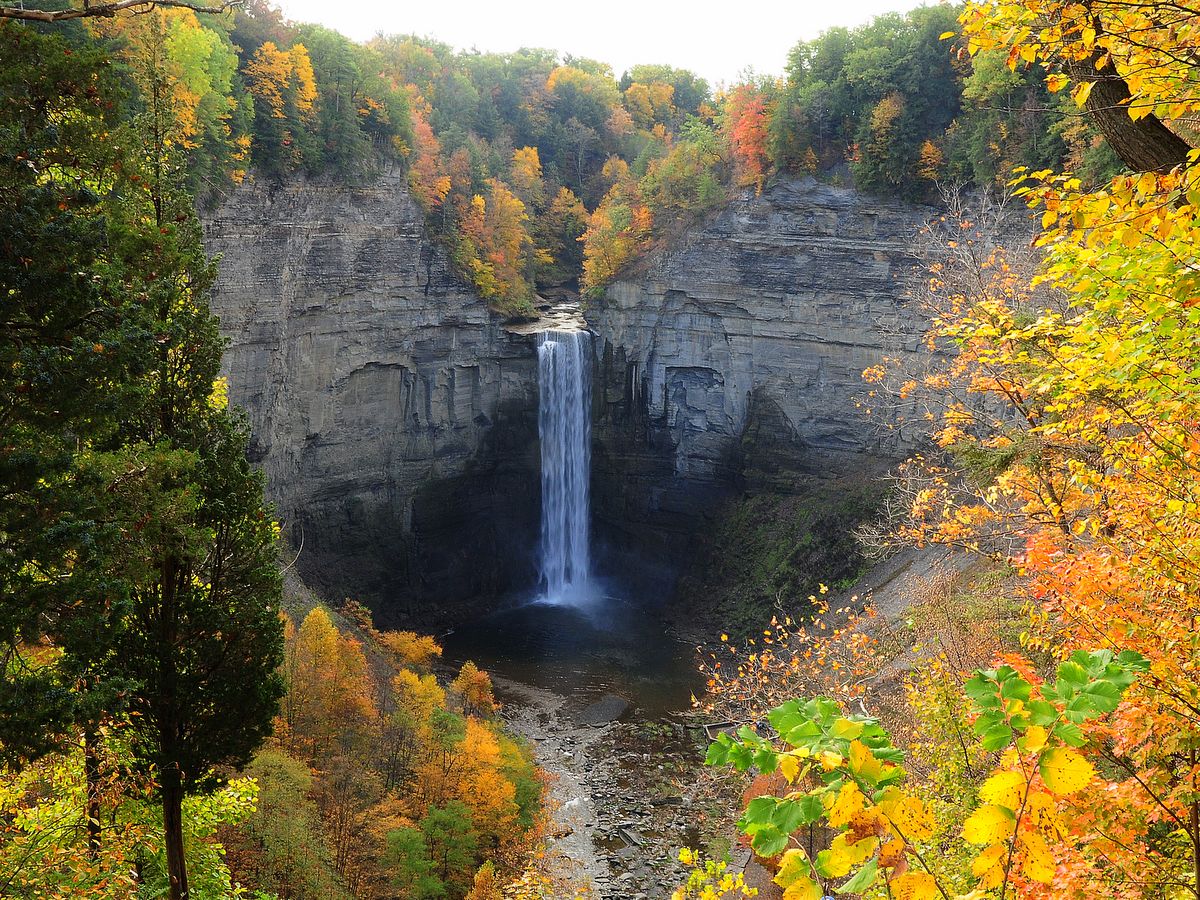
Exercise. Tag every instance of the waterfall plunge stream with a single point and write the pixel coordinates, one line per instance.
(564, 426)
(577, 635)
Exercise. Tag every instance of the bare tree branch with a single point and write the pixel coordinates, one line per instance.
(107, 10)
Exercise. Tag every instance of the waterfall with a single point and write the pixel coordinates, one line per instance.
(564, 426)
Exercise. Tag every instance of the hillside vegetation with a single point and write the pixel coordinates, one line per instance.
(544, 171)
(1028, 727)
(1028, 730)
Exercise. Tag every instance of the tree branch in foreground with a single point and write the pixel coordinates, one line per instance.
(94, 10)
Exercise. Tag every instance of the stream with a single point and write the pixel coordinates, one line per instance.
(593, 688)
(588, 674)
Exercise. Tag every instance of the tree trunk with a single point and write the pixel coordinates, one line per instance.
(91, 778)
(1146, 145)
(172, 807)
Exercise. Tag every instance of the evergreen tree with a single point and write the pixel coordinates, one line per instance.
(201, 637)
(137, 575)
(69, 343)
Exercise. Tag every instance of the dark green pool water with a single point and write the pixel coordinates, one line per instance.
(609, 645)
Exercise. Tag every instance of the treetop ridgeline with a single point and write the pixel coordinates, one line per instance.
(543, 171)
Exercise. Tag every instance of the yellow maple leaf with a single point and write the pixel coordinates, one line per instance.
(1034, 739)
(989, 861)
(1056, 82)
(1065, 771)
(914, 886)
(803, 889)
(1004, 788)
(849, 801)
(1041, 812)
(789, 766)
(1037, 862)
(843, 856)
(989, 824)
(909, 816)
(794, 868)
(863, 761)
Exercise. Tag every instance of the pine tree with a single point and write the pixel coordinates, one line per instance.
(138, 575)
(201, 639)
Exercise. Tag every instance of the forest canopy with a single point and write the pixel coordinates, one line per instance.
(544, 172)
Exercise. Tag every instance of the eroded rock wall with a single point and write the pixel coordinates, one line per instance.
(737, 353)
(394, 418)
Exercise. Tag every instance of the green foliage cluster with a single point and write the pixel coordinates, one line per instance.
(896, 102)
(843, 772)
(138, 585)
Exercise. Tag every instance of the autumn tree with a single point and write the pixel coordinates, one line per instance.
(884, 160)
(558, 232)
(617, 230)
(1070, 450)
(473, 690)
(282, 83)
(1123, 62)
(186, 616)
(746, 116)
(495, 247)
(203, 67)
(688, 179)
(329, 703)
(486, 885)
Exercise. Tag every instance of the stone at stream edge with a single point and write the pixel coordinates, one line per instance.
(607, 709)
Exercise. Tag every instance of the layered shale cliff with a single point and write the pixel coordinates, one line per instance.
(394, 418)
(730, 363)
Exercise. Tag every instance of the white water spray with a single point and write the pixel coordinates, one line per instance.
(564, 425)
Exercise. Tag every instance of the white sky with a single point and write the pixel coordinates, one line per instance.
(717, 40)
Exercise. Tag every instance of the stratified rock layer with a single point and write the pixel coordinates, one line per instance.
(737, 354)
(394, 418)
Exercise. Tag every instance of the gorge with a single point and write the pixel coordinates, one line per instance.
(398, 422)
(396, 417)
(434, 473)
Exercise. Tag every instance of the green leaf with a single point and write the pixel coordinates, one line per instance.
(791, 814)
(863, 878)
(1069, 734)
(1041, 713)
(997, 737)
(718, 753)
(769, 841)
(1073, 674)
(766, 760)
(1015, 688)
(759, 811)
(847, 729)
(982, 691)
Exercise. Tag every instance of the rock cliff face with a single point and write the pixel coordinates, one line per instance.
(394, 418)
(732, 359)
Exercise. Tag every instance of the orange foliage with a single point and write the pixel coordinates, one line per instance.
(330, 697)
(428, 182)
(746, 118)
(473, 688)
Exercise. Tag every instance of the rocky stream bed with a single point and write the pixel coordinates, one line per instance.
(623, 792)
